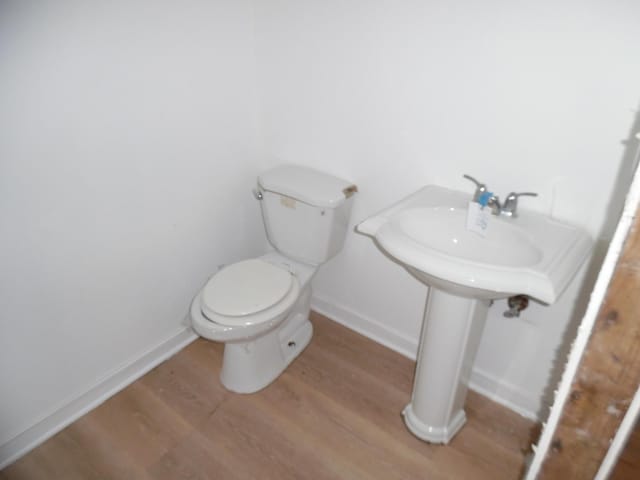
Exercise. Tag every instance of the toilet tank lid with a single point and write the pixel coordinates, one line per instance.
(307, 185)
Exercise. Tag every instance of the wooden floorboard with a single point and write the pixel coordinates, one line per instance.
(334, 414)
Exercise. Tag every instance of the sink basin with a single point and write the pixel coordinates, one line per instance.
(530, 254)
(442, 230)
(426, 232)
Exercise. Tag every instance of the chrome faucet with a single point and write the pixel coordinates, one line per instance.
(510, 206)
(494, 204)
(480, 187)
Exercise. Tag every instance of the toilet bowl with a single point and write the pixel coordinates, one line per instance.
(245, 300)
(259, 308)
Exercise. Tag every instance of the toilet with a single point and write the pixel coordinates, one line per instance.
(259, 308)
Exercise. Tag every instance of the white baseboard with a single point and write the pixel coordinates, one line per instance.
(504, 393)
(382, 334)
(95, 395)
(482, 382)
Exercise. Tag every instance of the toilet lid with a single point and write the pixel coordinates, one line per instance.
(246, 287)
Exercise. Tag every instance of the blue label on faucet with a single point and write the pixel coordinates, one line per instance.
(484, 197)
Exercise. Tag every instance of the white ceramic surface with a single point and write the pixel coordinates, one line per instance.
(306, 212)
(530, 254)
(305, 184)
(259, 350)
(426, 232)
(448, 344)
(260, 307)
(303, 232)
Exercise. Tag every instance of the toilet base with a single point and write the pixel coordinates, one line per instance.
(250, 366)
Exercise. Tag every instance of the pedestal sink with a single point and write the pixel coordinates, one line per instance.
(530, 254)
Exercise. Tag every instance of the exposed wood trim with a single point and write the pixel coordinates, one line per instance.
(621, 448)
(624, 226)
(603, 371)
(607, 378)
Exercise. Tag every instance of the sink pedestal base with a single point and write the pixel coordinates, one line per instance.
(449, 341)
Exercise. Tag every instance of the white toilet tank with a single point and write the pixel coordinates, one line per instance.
(305, 212)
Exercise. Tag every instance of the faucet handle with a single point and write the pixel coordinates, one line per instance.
(480, 187)
(514, 195)
(510, 206)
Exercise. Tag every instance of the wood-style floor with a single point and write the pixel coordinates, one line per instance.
(334, 414)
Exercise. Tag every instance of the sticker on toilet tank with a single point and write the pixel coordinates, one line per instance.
(288, 201)
(478, 218)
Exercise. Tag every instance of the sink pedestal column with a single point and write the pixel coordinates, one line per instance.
(451, 334)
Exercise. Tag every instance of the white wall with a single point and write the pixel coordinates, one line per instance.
(128, 148)
(532, 96)
(130, 134)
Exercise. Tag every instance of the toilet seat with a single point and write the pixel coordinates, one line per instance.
(249, 293)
